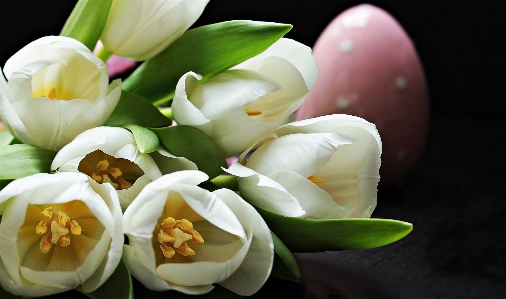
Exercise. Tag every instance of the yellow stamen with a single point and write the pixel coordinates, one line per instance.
(60, 226)
(252, 112)
(112, 175)
(315, 180)
(52, 93)
(173, 236)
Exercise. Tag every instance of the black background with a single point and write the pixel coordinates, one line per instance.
(455, 196)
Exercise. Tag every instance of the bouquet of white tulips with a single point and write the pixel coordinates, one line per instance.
(194, 157)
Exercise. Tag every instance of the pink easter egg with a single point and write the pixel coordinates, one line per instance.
(368, 67)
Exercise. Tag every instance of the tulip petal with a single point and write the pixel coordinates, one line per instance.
(230, 91)
(337, 123)
(296, 53)
(257, 264)
(317, 203)
(44, 47)
(353, 172)
(265, 193)
(300, 153)
(168, 163)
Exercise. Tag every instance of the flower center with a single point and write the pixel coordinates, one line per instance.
(103, 168)
(173, 236)
(59, 225)
(53, 94)
(315, 179)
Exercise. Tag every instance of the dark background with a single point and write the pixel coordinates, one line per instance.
(455, 196)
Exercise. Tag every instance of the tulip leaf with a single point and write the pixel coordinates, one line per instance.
(20, 160)
(194, 145)
(87, 21)
(118, 286)
(134, 109)
(313, 235)
(285, 266)
(206, 50)
(6, 138)
(145, 139)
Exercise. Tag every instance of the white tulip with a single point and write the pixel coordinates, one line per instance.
(185, 238)
(323, 168)
(58, 232)
(110, 155)
(56, 88)
(141, 29)
(242, 104)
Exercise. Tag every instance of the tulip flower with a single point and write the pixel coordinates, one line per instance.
(240, 105)
(322, 168)
(58, 232)
(139, 30)
(110, 155)
(56, 89)
(185, 238)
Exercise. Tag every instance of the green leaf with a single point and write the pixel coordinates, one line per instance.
(285, 266)
(194, 145)
(310, 235)
(4, 183)
(206, 50)
(6, 138)
(146, 140)
(134, 109)
(87, 21)
(118, 286)
(20, 160)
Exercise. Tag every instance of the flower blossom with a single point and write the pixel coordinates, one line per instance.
(58, 232)
(185, 238)
(322, 168)
(55, 89)
(240, 105)
(110, 155)
(141, 29)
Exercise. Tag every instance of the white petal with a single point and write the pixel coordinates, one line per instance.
(230, 91)
(168, 163)
(296, 53)
(140, 217)
(316, 202)
(257, 264)
(337, 123)
(147, 27)
(300, 153)
(265, 193)
(183, 110)
(41, 49)
(352, 175)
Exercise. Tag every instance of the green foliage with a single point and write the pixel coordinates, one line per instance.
(20, 160)
(194, 145)
(87, 21)
(285, 266)
(206, 50)
(134, 109)
(145, 139)
(311, 235)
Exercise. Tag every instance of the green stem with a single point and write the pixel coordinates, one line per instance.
(167, 111)
(226, 181)
(103, 54)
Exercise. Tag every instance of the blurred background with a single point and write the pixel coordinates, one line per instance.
(454, 195)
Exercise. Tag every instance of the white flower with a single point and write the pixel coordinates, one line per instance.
(110, 155)
(58, 231)
(185, 238)
(141, 29)
(324, 168)
(56, 89)
(242, 104)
